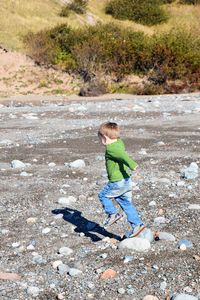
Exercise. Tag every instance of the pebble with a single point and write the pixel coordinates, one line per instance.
(63, 269)
(191, 172)
(91, 285)
(184, 244)
(163, 285)
(167, 236)
(180, 183)
(38, 259)
(33, 291)
(135, 244)
(121, 291)
(65, 251)
(67, 200)
(107, 274)
(150, 297)
(17, 164)
(46, 230)
(15, 245)
(160, 220)
(104, 255)
(128, 258)
(164, 181)
(79, 163)
(194, 206)
(184, 297)
(152, 203)
(56, 263)
(52, 164)
(74, 272)
(31, 220)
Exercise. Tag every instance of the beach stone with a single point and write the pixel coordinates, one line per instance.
(52, 164)
(25, 174)
(46, 230)
(65, 251)
(31, 220)
(184, 297)
(167, 236)
(56, 263)
(159, 220)
(17, 164)
(74, 272)
(66, 200)
(63, 269)
(10, 276)
(187, 243)
(79, 163)
(191, 172)
(6, 142)
(135, 244)
(194, 206)
(150, 297)
(107, 274)
(146, 234)
(121, 291)
(152, 203)
(33, 291)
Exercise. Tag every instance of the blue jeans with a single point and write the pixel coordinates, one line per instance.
(121, 191)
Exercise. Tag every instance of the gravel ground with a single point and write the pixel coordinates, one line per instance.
(162, 133)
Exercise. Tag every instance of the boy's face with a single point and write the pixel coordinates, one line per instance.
(105, 140)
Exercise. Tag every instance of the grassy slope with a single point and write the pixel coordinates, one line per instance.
(17, 17)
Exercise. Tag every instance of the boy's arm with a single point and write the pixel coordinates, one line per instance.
(122, 156)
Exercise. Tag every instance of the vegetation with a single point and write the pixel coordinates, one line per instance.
(147, 12)
(78, 6)
(193, 2)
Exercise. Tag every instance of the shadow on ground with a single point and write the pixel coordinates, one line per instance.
(84, 225)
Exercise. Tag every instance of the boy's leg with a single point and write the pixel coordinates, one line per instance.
(125, 201)
(106, 200)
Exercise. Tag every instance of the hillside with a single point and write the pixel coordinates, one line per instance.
(17, 18)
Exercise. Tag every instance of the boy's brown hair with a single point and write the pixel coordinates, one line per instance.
(110, 129)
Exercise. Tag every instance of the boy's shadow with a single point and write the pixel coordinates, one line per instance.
(88, 227)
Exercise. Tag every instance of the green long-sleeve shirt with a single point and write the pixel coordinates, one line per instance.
(118, 162)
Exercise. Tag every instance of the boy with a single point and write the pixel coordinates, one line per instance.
(119, 187)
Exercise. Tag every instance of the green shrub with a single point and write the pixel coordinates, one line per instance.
(78, 6)
(147, 12)
(193, 2)
(65, 11)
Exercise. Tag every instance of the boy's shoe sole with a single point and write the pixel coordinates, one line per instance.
(137, 232)
(117, 217)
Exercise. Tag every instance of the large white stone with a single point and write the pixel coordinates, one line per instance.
(166, 236)
(194, 206)
(135, 244)
(65, 251)
(66, 200)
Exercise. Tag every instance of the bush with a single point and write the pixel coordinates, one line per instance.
(193, 2)
(78, 6)
(147, 12)
(65, 11)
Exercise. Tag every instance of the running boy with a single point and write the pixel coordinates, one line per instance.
(119, 186)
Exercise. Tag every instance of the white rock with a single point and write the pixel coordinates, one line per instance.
(146, 234)
(67, 200)
(65, 251)
(52, 164)
(150, 297)
(30, 247)
(183, 247)
(33, 291)
(79, 163)
(180, 183)
(74, 272)
(160, 143)
(163, 285)
(184, 297)
(160, 220)
(6, 142)
(17, 164)
(15, 245)
(46, 230)
(143, 151)
(166, 236)
(135, 244)
(56, 263)
(194, 206)
(31, 220)
(152, 203)
(25, 174)
(191, 172)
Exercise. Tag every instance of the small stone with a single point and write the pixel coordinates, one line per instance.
(60, 296)
(180, 183)
(160, 220)
(33, 291)
(128, 258)
(150, 297)
(30, 247)
(38, 259)
(52, 164)
(74, 272)
(17, 164)
(194, 206)
(191, 172)
(15, 245)
(184, 297)
(31, 220)
(166, 236)
(56, 263)
(152, 203)
(79, 163)
(10, 276)
(91, 285)
(46, 230)
(109, 273)
(121, 291)
(164, 181)
(66, 200)
(65, 251)
(186, 243)
(63, 269)
(163, 285)
(25, 174)
(160, 143)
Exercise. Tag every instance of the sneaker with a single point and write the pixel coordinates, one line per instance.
(135, 232)
(112, 219)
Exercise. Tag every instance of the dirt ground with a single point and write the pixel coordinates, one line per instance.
(162, 133)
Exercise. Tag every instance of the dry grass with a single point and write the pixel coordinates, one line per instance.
(18, 17)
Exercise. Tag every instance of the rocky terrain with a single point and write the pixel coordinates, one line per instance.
(53, 245)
